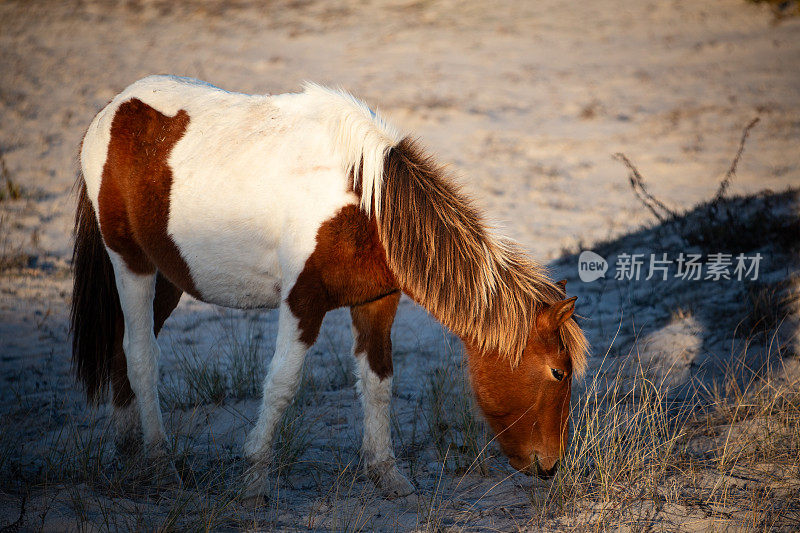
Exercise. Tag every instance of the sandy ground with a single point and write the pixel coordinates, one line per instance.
(527, 102)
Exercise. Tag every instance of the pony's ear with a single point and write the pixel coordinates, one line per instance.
(562, 285)
(554, 316)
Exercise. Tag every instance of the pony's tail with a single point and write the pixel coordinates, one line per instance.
(95, 309)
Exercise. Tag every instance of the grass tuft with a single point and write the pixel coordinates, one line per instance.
(245, 359)
(714, 455)
(12, 256)
(459, 437)
(235, 369)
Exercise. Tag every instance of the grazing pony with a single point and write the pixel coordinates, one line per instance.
(306, 202)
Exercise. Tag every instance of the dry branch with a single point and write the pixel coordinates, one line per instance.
(657, 207)
(637, 184)
(726, 181)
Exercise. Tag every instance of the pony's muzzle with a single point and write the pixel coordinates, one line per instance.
(544, 468)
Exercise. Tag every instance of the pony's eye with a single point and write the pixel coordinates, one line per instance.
(558, 374)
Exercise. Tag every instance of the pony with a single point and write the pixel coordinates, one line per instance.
(305, 202)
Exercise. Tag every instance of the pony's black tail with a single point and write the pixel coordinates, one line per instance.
(95, 311)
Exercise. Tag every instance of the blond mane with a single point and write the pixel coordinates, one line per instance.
(484, 288)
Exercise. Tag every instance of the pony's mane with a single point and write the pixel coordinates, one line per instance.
(482, 287)
(360, 135)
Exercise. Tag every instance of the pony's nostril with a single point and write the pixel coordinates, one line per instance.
(546, 473)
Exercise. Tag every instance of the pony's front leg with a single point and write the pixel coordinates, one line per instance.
(372, 348)
(280, 386)
(136, 294)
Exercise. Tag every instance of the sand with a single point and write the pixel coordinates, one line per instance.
(526, 103)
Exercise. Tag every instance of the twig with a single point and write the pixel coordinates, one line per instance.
(726, 181)
(9, 189)
(637, 184)
(3, 167)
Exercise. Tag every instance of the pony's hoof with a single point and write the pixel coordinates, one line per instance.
(159, 469)
(165, 476)
(390, 482)
(256, 487)
(253, 501)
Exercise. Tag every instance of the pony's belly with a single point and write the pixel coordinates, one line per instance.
(234, 272)
(241, 292)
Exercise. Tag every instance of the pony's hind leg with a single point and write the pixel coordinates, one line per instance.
(136, 295)
(372, 348)
(127, 423)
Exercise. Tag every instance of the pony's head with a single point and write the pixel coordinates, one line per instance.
(527, 404)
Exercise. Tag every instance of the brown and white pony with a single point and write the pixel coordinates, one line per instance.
(306, 202)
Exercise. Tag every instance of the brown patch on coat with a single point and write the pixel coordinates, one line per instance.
(166, 300)
(372, 325)
(135, 191)
(347, 268)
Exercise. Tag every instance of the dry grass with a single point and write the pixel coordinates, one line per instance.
(12, 255)
(628, 437)
(459, 437)
(770, 305)
(9, 190)
(725, 456)
(233, 370)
